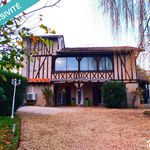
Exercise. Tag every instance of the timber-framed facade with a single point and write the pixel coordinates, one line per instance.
(78, 72)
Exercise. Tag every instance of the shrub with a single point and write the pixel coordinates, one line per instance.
(2, 101)
(47, 92)
(2, 94)
(139, 92)
(9, 89)
(114, 94)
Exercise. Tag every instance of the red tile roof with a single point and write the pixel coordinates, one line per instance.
(39, 80)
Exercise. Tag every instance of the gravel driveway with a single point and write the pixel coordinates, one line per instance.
(37, 110)
(85, 129)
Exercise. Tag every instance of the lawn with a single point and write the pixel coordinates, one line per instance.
(86, 129)
(8, 140)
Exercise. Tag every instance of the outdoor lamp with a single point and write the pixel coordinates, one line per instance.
(14, 82)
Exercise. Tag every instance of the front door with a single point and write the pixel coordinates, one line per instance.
(68, 96)
(62, 96)
(96, 95)
(59, 97)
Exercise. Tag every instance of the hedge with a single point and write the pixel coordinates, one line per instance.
(8, 91)
(114, 94)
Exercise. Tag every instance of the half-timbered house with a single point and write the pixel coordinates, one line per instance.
(78, 72)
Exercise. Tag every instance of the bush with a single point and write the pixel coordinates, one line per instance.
(114, 94)
(47, 92)
(2, 94)
(2, 101)
(9, 89)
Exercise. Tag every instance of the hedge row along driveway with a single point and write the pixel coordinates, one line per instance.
(5, 84)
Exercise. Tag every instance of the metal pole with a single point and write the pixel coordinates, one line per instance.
(13, 104)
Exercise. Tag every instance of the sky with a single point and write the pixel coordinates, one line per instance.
(82, 23)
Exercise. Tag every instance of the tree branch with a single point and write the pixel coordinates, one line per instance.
(54, 4)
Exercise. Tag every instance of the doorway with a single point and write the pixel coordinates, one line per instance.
(59, 97)
(68, 96)
(63, 95)
(97, 95)
(79, 96)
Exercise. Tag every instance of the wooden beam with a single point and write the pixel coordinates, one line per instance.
(34, 63)
(34, 66)
(41, 55)
(124, 67)
(117, 67)
(38, 73)
(121, 67)
(28, 57)
(48, 66)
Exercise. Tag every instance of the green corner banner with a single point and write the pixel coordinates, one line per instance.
(13, 8)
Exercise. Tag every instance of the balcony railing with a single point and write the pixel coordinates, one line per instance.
(82, 76)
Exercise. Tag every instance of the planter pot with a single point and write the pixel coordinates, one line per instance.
(86, 103)
(72, 102)
(142, 101)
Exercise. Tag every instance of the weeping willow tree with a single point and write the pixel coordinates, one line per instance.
(129, 14)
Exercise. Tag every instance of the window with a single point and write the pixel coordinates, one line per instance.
(66, 64)
(88, 63)
(108, 64)
(60, 64)
(105, 63)
(102, 64)
(92, 64)
(61, 43)
(84, 64)
(72, 64)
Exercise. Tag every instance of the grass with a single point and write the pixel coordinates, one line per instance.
(8, 140)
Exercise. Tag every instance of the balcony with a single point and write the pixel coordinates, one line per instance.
(82, 76)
